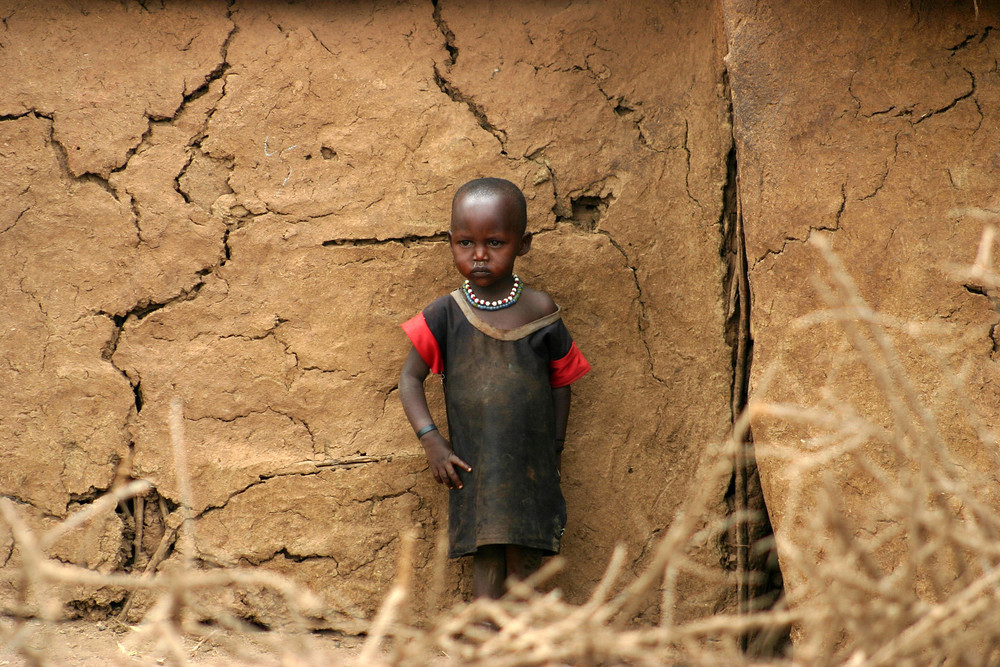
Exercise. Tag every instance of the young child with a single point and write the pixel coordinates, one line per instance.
(506, 361)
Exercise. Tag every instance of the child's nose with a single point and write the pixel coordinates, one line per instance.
(479, 252)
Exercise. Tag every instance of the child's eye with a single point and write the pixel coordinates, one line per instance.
(495, 244)
(465, 243)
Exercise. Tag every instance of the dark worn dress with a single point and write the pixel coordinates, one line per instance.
(498, 392)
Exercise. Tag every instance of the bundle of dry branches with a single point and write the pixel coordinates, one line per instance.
(922, 589)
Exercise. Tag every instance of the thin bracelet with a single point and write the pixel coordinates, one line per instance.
(425, 430)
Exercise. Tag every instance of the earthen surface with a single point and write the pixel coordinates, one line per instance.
(237, 204)
(873, 126)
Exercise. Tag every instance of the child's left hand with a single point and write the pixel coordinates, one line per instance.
(443, 460)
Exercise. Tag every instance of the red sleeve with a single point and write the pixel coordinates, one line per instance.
(569, 369)
(424, 342)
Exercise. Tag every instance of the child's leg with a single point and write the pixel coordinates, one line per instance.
(493, 563)
(522, 562)
(489, 570)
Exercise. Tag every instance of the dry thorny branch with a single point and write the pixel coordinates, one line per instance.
(920, 588)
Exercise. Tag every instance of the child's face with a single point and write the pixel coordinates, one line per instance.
(485, 239)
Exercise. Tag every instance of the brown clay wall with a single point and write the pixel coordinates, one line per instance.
(236, 204)
(872, 126)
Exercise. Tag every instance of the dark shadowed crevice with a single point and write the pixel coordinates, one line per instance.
(144, 308)
(449, 36)
(194, 148)
(30, 113)
(298, 558)
(449, 89)
(157, 5)
(119, 320)
(137, 390)
(748, 547)
(85, 498)
(405, 241)
(586, 211)
(951, 105)
(994, 300)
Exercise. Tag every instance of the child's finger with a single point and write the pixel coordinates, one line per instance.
(460, 463)
(439, 475)
(456, 482)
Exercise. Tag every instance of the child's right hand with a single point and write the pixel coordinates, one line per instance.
(443, 461)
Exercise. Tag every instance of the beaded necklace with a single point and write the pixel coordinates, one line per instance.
(483, 304)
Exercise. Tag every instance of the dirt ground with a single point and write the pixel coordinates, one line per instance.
(104, 643)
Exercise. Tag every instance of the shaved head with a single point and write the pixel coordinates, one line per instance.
(497, 188)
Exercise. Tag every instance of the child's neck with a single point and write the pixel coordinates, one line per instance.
(495, 292)
(522, 312)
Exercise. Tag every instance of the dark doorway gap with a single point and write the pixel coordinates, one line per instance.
(748, 548)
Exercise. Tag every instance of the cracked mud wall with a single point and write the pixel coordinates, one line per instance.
(238, 203)
(873, 124)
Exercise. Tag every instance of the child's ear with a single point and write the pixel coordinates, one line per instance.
(525, 244)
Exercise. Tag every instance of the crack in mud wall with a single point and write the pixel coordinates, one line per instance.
(748, 547)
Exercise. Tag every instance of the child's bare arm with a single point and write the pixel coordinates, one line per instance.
(440, 457)
(561, 397)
